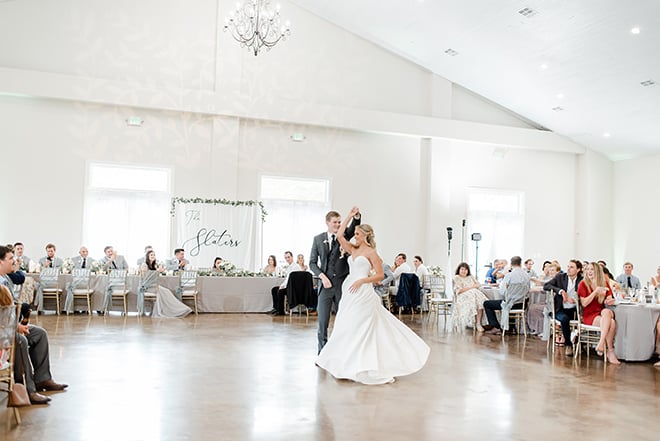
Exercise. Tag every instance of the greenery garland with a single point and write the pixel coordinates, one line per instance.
(216, 202)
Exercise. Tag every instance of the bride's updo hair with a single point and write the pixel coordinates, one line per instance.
(368, 234)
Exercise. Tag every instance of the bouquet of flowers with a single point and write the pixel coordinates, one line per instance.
(67, 266)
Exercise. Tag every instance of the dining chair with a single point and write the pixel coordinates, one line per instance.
(437, 299)
(517, 313)
(79, 288)
(8, 316)
(49, 289)
(116, 289)
(555, 325)
(588, 335)
(299, 291)
(188, 288)
(147, 290)
(408, 292)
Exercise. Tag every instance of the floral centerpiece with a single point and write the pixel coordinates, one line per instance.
(67, 266)
(97, 267)
(435, 270)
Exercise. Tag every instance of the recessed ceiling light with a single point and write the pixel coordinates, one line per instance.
(560, 96)
(606, 135)
(543, 66)
(527, 12)
(451, 52)
(557, 109)
(635, 30)
(647, 83)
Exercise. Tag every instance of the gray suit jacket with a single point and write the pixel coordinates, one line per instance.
(120, 263)
(173, 264)
(77, 262)
(330, 263)
(57, 262)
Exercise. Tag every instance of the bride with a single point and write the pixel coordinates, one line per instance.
(166, 304)
(368, 344)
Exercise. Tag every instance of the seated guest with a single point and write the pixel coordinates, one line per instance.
(564, 286)
(421, 270)
(82, 260)
(382, 287)
(179, 263)
(22, 260)
(512, 299)
(112, 260)
(31, 347)
(400, 266)
(496, 272)
(271, 268)
(468, 300)
(300, 260)
(529, 268)
(609, 276)
(50, 261)
(627, 280)
(655, 280)
(217, 266)
(278, 292)
(595, 293)
(140, 261)
(166, 304)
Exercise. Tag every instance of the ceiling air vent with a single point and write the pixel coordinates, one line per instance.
(527, 12)
(647, 83)
(451, 52)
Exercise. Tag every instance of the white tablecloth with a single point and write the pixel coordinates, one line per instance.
(635, 331)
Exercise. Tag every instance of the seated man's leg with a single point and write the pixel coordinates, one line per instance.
(20, 354)
(273, 293)
(280, 301)
(38, 340)
(490, 306)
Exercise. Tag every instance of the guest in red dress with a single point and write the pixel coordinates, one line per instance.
(595, 293)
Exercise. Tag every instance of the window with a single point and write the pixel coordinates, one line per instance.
(499, 215)
(127, 207)
(296, 213)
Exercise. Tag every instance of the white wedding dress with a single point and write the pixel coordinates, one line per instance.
(368, 344)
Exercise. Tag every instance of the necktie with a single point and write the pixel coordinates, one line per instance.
(84, 262)
(334, 240)
(114, 265)
(629, 283)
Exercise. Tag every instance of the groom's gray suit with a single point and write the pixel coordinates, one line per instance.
(327, 259)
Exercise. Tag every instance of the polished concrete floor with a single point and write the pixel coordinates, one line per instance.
(252, 377)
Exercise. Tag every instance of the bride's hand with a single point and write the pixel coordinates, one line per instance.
(354, 211)
(355, 286)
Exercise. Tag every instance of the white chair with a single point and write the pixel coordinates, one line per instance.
(437, 298)
(588, 335)
(520, 292)
(147, 290)
(188, 287)
(79, 288)
(116, 289)
(49, 288)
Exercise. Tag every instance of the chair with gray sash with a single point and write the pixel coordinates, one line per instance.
(79, 288)
(116, 289)
(187, 289)
(147, 289)
(516, 294)
(49, 289)
(8, 316)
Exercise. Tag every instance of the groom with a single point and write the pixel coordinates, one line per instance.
(331, 267)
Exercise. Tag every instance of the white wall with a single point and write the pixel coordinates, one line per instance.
(180, 77)
(635, 214)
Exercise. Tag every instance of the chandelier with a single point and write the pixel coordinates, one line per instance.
(256, 24)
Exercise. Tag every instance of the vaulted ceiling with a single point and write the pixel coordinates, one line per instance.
(586, 69)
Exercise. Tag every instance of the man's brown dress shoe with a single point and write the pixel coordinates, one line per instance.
(569, 351)
(37, 398)
(50, 385)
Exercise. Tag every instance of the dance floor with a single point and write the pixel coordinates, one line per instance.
(252, 377)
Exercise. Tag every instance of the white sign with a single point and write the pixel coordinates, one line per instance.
(209, 230)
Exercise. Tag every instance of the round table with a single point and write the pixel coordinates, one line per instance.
(635, 330)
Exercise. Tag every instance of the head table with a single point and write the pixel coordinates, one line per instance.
(215, 294)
